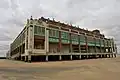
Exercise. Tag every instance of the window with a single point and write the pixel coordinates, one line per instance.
(50, 32)
(97, 41)
(90, 39)
(82, 38)
(39, 30)
(57, 33)
(74, 37)
(53, 33)
(43, 30)
(35, 29)
(65, 35)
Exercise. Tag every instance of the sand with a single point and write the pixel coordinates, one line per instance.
(94, 69)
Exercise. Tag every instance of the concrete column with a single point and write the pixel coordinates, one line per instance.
(60, 57)
(105, 55)
(79, 56)
(79, 42)
(79, 45)
(70, 46)
(30, 35)
(46, 40)
(86, 43)
(109, 55)
(25, 59)
(60, 41)
(21, 49)
(26, 40)
(87, 56)
(115, 48)
(95, 45)
(71, 57)
(104, 46)
(70, 41)
(21, 58)
(115, 55)
(100, 46)
(46, 57)
(112, 55)
(29, 58)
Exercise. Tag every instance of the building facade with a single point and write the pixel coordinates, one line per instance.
(42, 38)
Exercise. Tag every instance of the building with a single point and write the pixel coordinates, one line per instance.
(45, 39)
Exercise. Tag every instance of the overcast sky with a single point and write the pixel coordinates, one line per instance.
(90, 14)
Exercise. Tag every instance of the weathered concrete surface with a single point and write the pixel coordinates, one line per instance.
(95, 69)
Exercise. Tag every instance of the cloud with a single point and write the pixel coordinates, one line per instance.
(90, 14)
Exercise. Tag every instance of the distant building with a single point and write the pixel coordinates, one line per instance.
(45, 37)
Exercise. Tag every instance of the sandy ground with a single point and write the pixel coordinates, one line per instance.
(95, 69)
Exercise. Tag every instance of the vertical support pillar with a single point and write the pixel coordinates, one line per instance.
(25, 59)
(21, 58)
(46, 40)
(115, 48)
(70, 44)
(86, 43)
(46, 43)
(109, 55)
(21, 49)
(79, 56)
(100, 46)
(60, 41)
(29, 58)
(71, 57)
(104, 47)
(79, 45)
(46, 57)
(95, 45)
(111, 46)
(105, 55)
(60, 57)
(70, 41)
(115, 55)
(112, 55)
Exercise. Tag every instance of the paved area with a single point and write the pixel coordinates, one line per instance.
(94, 69)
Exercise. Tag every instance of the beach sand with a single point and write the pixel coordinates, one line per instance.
(92, 69)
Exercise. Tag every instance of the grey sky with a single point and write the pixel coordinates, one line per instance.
(90, 14)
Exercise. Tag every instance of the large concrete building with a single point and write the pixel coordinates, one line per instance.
(45, 39)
